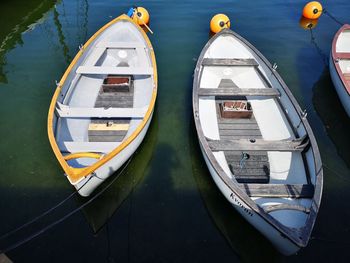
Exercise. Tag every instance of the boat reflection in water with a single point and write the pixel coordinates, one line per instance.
(102, 209)
(15, 22)
(332, 114)
(247, 242)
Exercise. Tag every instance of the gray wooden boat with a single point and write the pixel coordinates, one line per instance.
(256, 141)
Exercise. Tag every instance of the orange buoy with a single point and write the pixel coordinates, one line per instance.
(141, 16)
(312, 10)
(219, 22)
(307, 23)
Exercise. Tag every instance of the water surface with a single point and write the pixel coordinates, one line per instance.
(164, 207)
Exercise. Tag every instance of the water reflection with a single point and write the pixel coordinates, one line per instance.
(16, 17)
(248, 243)
(102, 209)
(333, 115)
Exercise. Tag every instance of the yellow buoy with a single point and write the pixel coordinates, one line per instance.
(219, 22)
(308, 23)
(312, 10)
(141, 16)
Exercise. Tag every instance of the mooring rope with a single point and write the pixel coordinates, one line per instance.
(13, 231)
(43, 230)
(332, 17)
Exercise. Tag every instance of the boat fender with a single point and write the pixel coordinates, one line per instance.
(141, 16)
(219, 22)
(312, 10)
(307, 23)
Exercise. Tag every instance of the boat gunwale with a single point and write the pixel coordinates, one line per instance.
(76, 175)
(299, 239)
(335, 59)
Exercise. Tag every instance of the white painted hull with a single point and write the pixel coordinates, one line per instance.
(283, 244)
(339, 87)
(90, 183)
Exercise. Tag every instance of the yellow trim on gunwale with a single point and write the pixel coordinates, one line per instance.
(75, 175)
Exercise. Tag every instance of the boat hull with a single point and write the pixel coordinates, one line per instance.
(279, 241)
(90, 183)
(339, 86)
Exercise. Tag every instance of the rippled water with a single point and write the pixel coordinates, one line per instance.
(164, 207)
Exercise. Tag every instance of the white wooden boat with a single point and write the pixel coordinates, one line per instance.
(339, 65)
(103, 105)
(256, 142)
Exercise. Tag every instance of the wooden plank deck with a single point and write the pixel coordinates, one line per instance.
(112, 100)
(256, 168)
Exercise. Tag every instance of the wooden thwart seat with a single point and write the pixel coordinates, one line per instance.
(95, 70)
(258, 145)
(279, 190)
(230, 62)
(70, 112)
(125, 45)
(98, 147)
(342, 55)
(269, 92)
(278, 207)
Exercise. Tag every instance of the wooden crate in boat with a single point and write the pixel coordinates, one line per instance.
(236, 109)
(116, 84)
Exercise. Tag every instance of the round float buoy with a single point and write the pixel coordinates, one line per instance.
(141, 16)
(219, 22)
(307, 23)
(312, 10)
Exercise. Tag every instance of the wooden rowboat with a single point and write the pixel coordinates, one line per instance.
(339, 65)
(103, 105)
(256, 141)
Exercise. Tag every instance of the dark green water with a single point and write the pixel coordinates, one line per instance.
(164, 207)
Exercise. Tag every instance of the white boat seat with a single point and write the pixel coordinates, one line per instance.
(229, 62)
(279, 190)
(95, 147)
(268, 92)
(259, 145)
(65, 111)
(126, 45)
(94, 70)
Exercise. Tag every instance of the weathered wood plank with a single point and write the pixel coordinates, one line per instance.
(238, 126)
(70, 112)
(247, 132)
(265, 92)
(235, 121)
(95, 70)
(229, 62)
(278, 207)
(74, 147)
(105, 127)
(252, 158)
(279, 190)
(257, 145)
(106, 138)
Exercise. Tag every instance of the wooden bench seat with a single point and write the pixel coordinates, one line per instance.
(258, 145)
(124, 45)
(229, 62)
(95, 70)
(342, 55)
(268, 92)
(96, 147)
(64, 111)
(279, 190)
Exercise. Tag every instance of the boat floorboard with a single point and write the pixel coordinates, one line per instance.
(256, 168)
(121, 99)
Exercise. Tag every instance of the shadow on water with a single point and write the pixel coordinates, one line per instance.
(332, 114)
(16, 17)
(247, 242)
(102, 209)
